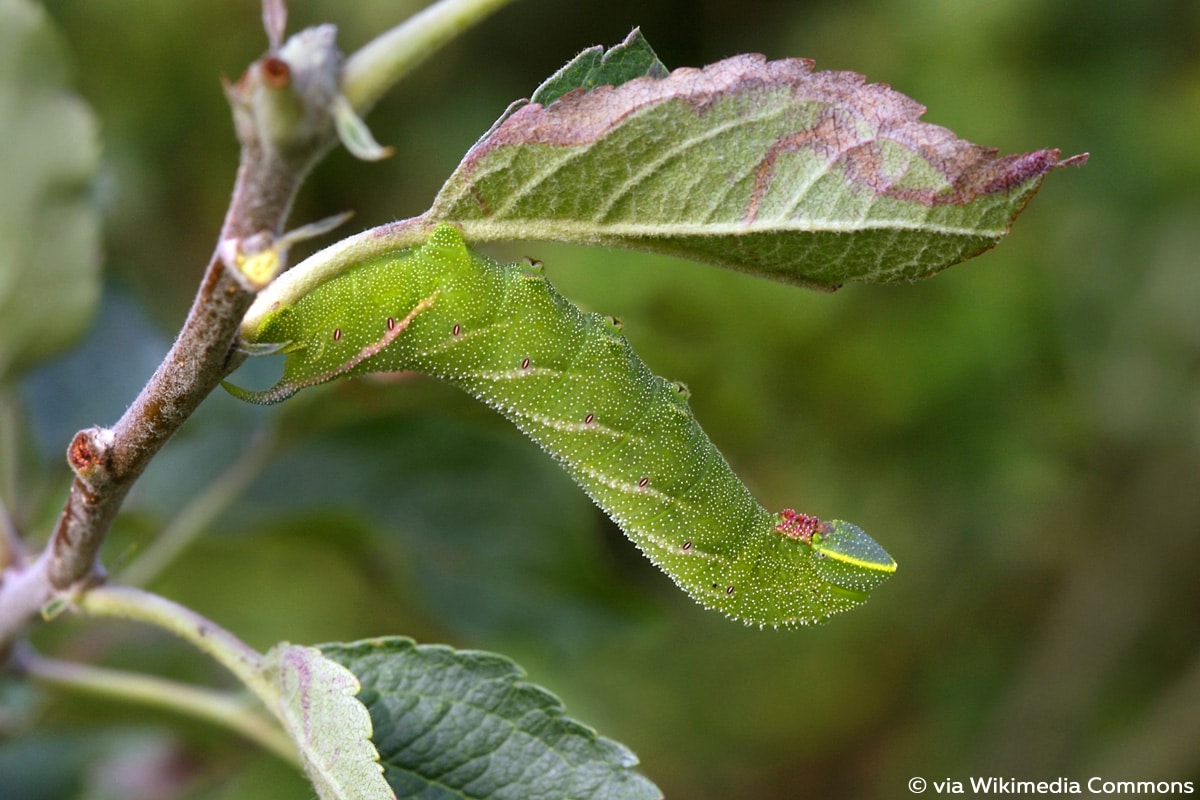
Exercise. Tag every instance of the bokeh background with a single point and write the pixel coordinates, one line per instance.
(1022, 432)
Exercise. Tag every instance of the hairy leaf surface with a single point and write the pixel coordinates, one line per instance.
(572, 383)
(816, 178)
(466, 724)
(332, 730)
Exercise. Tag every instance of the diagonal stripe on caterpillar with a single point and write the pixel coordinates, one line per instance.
(572, 383)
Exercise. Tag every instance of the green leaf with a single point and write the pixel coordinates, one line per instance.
(573, 384)
(318, 708)
(49, 233)
(815, 178)
(595, 66)
(632, 58)
(466, 724)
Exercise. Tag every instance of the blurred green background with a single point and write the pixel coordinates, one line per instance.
(1022, 433)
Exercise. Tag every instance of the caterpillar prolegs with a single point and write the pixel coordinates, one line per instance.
(571, 382)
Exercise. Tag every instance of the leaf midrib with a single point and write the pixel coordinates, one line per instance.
(491, 229)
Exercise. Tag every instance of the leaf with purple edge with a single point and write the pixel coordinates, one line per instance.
(331, 728)
(769, 167)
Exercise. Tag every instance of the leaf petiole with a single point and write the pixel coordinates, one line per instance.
(311, 697)
(228, 709)
(375, 67)
(125, 602)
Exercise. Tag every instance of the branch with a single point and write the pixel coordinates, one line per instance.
(282, 113)
(289, 109)
(107, 462)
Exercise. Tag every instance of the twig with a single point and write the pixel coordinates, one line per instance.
(282, 115)
(286, 108)
(108, 462)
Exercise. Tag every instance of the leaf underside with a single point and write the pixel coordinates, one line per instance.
(814, 178)
(466, 724)
(332, 730)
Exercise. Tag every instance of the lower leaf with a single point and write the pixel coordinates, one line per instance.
(465, 724)
(317, 707)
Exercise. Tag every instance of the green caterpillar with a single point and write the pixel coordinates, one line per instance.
(572, 383)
